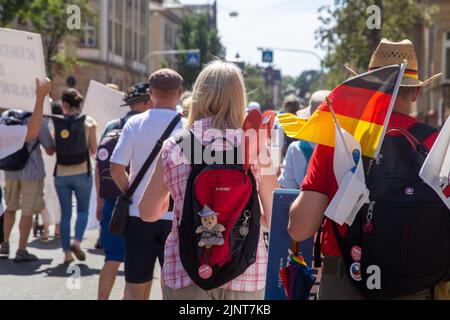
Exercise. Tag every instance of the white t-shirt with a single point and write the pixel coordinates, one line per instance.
(12, 139)
(137, 140)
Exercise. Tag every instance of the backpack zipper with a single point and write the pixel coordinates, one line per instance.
(377, 160)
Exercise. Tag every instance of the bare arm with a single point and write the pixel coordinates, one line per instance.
(268, 183)
(50, 151)
(93, 140)
(306, 215)
(34, 125)
(120, 176)
(100, 201)
(155, 200)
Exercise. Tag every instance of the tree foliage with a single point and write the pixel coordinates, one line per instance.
(347, 39)
(195, 33)
(48, 18)
(256, 86)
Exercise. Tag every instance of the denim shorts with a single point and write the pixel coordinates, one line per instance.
(113, 246)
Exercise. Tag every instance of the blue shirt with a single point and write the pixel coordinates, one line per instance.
(295, 164)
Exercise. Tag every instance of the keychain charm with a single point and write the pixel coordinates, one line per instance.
(244, 230)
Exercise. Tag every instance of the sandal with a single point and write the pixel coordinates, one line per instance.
(4, 250)
(76, 250)
(24, 256)
(44, 237)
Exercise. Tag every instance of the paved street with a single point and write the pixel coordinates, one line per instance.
(49, 279)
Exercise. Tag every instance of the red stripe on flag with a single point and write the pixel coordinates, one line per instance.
(368, 105)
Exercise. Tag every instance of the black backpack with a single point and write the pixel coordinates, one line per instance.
(405, 230)
(70, 140)
(18, 160)
(214, 254)
(108, 188)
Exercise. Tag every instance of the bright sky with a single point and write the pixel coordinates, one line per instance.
(270, 23)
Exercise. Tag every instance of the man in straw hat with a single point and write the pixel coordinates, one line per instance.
(320, 185)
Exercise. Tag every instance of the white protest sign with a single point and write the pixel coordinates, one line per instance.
(103, 104)
(21, 62)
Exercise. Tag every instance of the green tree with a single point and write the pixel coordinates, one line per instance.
(11, 10)
(195, 33)
(256, 86)
(308, 81)
(48, 18)
(347, 39)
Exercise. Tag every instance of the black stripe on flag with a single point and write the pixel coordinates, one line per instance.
(381, 80)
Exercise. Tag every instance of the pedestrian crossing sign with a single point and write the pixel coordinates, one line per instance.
(267, 56)
(193, 59)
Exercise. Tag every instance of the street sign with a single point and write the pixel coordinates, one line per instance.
(193, 59)
(267, 56)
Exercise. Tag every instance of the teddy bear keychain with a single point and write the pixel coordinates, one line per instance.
(210, 230)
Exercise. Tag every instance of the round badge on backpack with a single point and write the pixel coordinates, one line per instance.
(205, 272)
(355, 271)
(64, 134)
(356, 253)
(103, 154)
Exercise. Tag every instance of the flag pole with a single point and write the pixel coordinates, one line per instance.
(391, 106)
(338, 128)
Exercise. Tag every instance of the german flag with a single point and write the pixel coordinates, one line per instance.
(362, 105)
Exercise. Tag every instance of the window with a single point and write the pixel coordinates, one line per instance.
(447, 56)
(89, 36)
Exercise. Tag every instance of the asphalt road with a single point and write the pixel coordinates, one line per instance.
(49, 279)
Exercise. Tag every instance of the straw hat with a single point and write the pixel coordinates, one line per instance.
(390, 53)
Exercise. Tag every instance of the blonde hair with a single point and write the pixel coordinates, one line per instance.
(219, 92)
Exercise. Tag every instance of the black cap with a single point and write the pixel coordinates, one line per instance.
(137, 93)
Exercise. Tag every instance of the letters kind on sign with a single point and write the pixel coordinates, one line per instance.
(21, 62)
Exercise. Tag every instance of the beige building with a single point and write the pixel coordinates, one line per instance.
(433, 48)
(125, 41)
(165, 19)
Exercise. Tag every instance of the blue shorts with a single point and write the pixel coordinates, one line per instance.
(113, 246)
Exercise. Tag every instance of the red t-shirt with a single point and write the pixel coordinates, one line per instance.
(320, 178)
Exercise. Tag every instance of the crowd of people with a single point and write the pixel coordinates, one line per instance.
(203, 222)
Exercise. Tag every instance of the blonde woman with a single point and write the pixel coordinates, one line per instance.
(218, 104)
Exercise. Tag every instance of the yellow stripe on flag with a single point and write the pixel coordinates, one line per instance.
(320, 129)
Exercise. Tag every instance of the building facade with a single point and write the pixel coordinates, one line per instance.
(126, 40)
(433, 49)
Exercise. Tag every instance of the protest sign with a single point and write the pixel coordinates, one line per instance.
(280, 243)
(21, 62)
(103, 104)
(436, 168)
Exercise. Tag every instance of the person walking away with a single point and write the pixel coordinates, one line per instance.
(411, 141)
(199, 243)
(144, 242)
(138, 99)
(299, 152)
(76, 141)
(24, 188)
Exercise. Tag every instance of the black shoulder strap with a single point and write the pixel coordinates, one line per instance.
(422, 131)
(121, 123)
(189, 144)
(151, 157)
(34, 146)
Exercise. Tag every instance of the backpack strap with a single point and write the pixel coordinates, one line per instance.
(416, 135)
(34, 146)
(189, 143)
